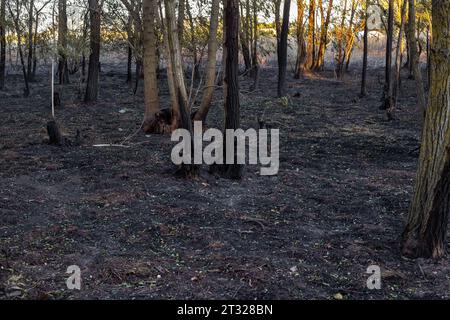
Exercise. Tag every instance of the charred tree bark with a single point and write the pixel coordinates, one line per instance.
(129, 49)
(243, 35)
(30, 41)
(282, 50)
(231, 84)
(2, 44)
(129, 64)
(255, 63)
(389, 103)
(35, 43)
(54, 134)
(426, 231)
(208, 91)
(63, 72)
(94, 58)
(151, 123)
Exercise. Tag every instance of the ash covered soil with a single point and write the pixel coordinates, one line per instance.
(337, 205)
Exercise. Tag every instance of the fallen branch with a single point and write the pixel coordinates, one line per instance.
(110, 145)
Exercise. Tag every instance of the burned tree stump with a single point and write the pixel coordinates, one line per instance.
(159, 123)
(54, 134)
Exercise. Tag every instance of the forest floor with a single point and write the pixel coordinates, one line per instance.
(337, 205)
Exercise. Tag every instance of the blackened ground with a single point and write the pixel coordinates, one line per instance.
(336, 207)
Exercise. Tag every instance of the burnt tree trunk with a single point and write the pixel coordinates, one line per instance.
(388, 103)
(243, 35)
(30, 42)
(150, 64)
(63, 72)
(54, 134)
(129, 64)
(255, 38)
(2, 44)
(129, 49)
(94, 58)
(398, 55)
(35, 43)
(231, 84)
(282, 50)
(426, 231)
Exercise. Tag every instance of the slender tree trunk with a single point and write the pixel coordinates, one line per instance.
(182, 4)
(301, 45)
(415, 58)
(311, 29)
(138, 73)
(150, 65)
(277, 4)
(208, 91)
(129, 64)
(2, 44)
(129, 49)
(255, 63)
(170, 75)
(179, 94)
(180, 108)
(30, 41)
(350, 37)
(282, 50)
(94, 58)
(62, 42)
(389, 103)
(35, 43)
(407, 64)
(323, 38)
(193, 41)
(245, 52)
(231, 84)
(365, 52)
(243, 35)
(340, 35)
(83, 57)
(428, 57)
(398, 54)
(425, 234)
